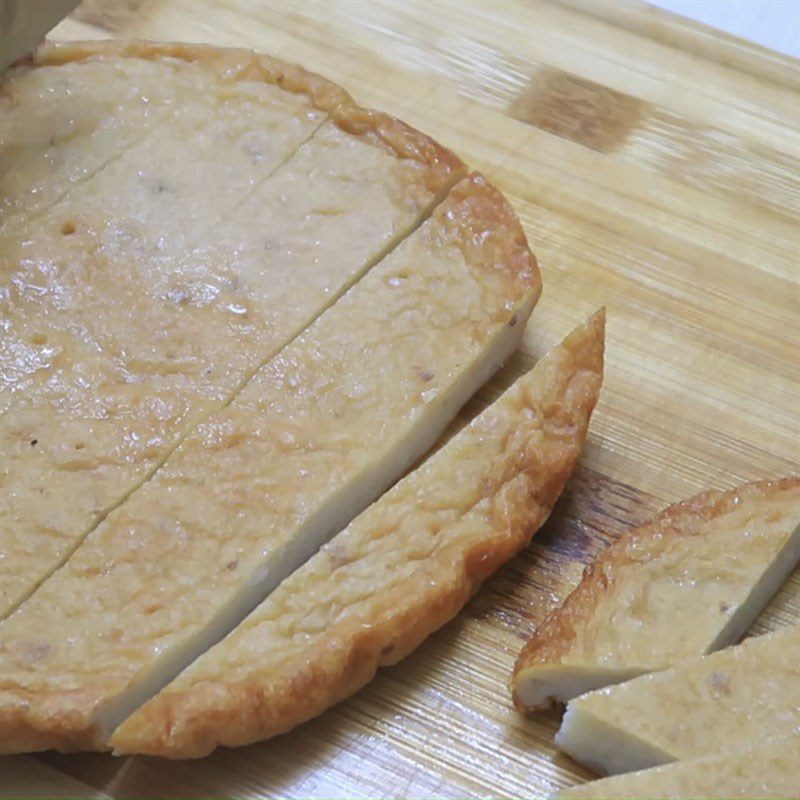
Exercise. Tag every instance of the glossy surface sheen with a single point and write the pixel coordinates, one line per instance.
(62, 124)
(329, 408)
(145, 297)
(686, 229)
(400, 570)
(717, 704)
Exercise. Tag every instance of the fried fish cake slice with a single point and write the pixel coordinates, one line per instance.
(687, 583)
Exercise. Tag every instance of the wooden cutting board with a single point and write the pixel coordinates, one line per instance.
(654, 164)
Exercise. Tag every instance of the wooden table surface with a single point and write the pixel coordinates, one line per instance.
(654, 164)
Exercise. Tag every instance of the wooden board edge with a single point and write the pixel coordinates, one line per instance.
(693, 37)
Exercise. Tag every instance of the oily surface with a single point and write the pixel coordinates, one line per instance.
(62, 124)
(324, 409)
(738, 694)
(396, 573)
(683, 225)
(141, 300)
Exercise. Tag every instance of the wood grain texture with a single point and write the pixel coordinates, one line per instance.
(27, 777)
(654, 165)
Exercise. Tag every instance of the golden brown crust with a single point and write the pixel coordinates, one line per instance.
(479, 220)
(236, 64)
(402, 140)
(476, 218)
(227, 63)
(61, 721)
(555, 635)
(193, 721)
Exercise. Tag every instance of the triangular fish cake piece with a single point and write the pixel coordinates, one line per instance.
(399, 571)
(687, 583)
(769, 768)
(699, 707)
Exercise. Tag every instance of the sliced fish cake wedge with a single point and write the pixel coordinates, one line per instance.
(714, 704)
(399, 571)
(767, 768)
(687, 583)
(132, 313)
(316, 435)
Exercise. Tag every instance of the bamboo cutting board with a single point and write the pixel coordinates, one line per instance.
(655, 166)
